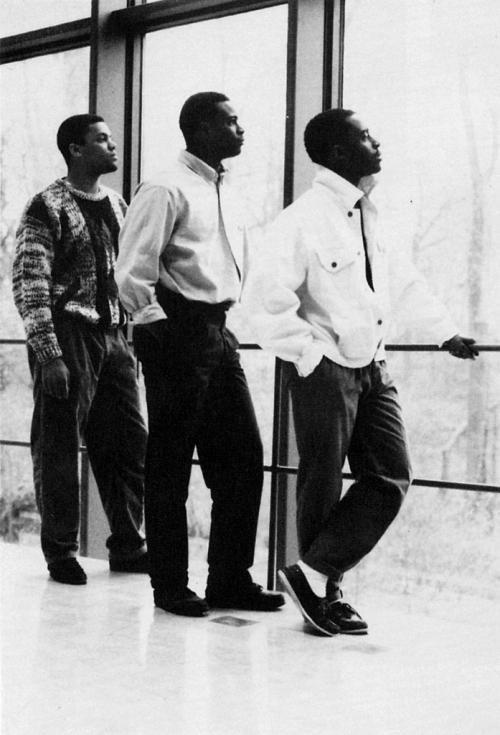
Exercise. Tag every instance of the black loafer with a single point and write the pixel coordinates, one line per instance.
(312, 607)
(250, 596)
(67, 571)
(181, 602)
(348, 620)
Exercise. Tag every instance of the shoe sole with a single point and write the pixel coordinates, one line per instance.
(303, 611)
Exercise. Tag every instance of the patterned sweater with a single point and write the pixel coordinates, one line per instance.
(66, 250)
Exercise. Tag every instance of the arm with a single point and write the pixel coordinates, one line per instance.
(32, 287)
(272, 301)
(143, 238)
(414, 304)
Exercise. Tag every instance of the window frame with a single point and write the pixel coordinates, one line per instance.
(115, 32)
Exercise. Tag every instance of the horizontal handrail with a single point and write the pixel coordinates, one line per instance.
(284, 469)
(391, 347)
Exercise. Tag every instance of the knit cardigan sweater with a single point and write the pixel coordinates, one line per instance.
(55, 266)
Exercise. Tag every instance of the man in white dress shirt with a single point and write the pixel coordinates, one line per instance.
(326, 288)
(183, 259)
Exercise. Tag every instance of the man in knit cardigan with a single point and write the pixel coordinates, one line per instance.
(84, 376)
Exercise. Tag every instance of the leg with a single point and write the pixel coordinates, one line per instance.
(231, 457)
(379, 459)
(324, 410)
(55, 441)
(116, 436)
(172, 389)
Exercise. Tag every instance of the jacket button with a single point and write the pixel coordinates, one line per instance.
(379, 321)
(334, 265)
(349, 214)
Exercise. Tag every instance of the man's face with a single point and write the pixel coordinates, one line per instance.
(98, 153)
(225, 136)
(364, 157)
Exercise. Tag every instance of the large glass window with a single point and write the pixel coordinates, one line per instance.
(428, 90)
(243, 56)
(21, 16)
(29, 161)
(423, 78)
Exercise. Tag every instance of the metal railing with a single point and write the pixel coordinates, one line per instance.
(277, 469)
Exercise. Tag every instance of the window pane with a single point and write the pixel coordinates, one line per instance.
(29, 156)
(29, 161)
(439, 558)
(423, 77)
(225, 61)
(428, 90)
(21, 16)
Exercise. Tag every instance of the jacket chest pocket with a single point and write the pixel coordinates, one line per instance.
(335, 261)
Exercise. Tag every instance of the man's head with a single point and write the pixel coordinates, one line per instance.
(338, 140)
(85, 142)
(210, 126)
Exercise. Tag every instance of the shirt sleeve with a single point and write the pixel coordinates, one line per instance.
(32, 281)
(144, 236)
(271, 296)
(414, 304)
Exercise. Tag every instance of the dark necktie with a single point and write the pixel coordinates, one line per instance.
(368, 268)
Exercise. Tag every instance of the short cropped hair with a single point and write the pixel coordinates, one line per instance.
(325, 130)
(200, 107)
(74, 130)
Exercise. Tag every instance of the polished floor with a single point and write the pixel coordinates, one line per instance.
(100, 660)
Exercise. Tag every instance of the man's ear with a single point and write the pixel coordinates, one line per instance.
(74, 149)
(339, 152)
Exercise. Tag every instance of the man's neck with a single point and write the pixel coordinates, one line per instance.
(84, 182)
(205, 156)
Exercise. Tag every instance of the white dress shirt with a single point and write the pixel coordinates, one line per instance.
(183, 230)
(309, 294)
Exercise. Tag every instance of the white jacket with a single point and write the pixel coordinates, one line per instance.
(309, 294)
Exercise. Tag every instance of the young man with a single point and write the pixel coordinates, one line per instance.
(183, 254)
(326, 288)
(85, 383)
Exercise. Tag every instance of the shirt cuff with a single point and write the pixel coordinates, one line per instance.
(149, 313)
(310, 359)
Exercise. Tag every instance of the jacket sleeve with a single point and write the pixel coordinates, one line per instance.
(413, 303)
(32, 280)
(146, 231)
(271, 297)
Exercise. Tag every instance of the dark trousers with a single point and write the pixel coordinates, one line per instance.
(348, 413)
(102, 408)
(197, 396)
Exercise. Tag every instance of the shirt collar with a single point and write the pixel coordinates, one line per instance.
(201, 168)
(343, 189)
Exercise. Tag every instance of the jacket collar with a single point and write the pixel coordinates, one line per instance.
(347, 193)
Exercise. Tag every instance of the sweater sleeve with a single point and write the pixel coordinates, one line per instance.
(32, 280)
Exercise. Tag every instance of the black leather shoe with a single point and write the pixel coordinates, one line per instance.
(310, 605)
(250, 596)
(346, 617)
(132, 565)
(181, 602)
(67, 571)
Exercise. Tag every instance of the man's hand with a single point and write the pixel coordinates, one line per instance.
(56, 379)
(462, 347)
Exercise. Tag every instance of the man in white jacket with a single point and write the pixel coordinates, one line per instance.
(325, 291)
